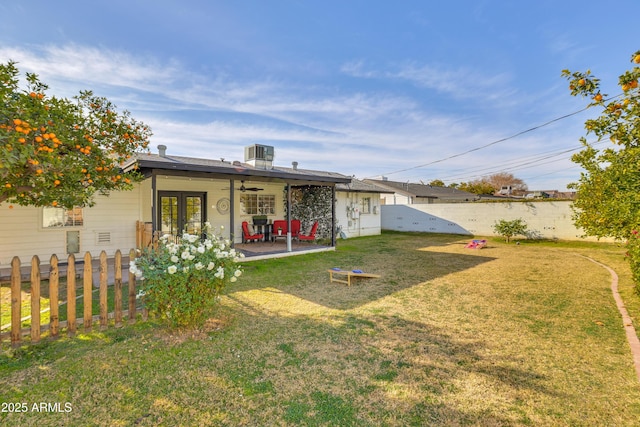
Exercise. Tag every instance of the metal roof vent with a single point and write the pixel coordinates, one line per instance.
(162, 150)
(259, 156)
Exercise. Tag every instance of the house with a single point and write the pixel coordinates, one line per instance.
(177, 193)
(358, 208)
(405, 193)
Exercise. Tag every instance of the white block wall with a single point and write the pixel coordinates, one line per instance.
(550, 220)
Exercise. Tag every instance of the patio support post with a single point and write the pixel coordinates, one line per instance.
(232, 222)
(154, 202)
(288, 217)
(333, 216)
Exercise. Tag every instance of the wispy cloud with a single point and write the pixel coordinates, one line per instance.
(365, 133)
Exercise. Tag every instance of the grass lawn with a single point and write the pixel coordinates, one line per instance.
(511, 334)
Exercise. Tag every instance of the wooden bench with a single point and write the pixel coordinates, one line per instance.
(349, 274)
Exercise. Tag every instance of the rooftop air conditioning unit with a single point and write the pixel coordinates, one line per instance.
(259, 156)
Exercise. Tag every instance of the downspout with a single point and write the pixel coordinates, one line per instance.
(288, 217)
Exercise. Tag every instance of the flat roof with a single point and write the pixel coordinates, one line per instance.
(149, 163)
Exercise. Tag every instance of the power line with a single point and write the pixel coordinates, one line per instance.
(497, 141)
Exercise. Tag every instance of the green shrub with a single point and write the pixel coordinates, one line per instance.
(180, 281)
(508, 229)
(633, 252)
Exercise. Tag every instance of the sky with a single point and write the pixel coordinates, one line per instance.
(410, 90)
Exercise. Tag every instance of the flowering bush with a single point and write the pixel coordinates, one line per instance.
(180, 281)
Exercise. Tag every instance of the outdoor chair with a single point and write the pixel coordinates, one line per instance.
(295, 228)
(312, 233)
(247, 236)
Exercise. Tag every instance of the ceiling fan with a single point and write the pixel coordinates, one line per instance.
(243, 188)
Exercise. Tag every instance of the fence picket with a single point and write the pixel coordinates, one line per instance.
(35, 299)
(117, 286)
(103, 289)
(16, 301)
(88, 291)
(71, 295)
(54, 281)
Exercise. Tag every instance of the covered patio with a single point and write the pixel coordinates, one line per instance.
(183, 194)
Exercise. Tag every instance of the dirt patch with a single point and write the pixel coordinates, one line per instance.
(174, 336)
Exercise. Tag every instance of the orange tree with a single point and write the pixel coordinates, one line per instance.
(60, 152)
(608, 192)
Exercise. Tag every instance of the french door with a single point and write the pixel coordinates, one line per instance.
(180, 211)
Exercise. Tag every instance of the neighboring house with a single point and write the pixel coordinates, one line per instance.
(405, 193)
(177, 193)
(358, 208)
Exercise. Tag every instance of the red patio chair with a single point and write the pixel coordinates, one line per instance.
(295, 228)
(248, 237)
(311, 235)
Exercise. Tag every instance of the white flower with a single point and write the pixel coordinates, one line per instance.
(191, 257)
(174, 259)
(185, 254)
(199, 266)
(233, 279)
(172, 269)
(219, 273)
(237, 273)
(200, 249)
(192, 238)
(185, 269)
(211, 265)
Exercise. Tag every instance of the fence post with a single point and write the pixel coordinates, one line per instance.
(132, 289)
(117, 287)
(35, 299)
(16, 301)
(88, 291)
(103, 290)
(71, 295)
(54, 280)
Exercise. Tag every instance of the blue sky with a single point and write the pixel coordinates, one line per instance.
(366, 88)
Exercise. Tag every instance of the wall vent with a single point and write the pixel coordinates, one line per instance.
(103, 237)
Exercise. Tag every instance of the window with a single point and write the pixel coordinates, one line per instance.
(258, 204)
(61, 217)
(365, 205)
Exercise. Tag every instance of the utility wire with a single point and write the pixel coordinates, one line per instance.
(497, 141)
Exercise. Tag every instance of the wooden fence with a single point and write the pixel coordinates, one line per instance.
(16, 332)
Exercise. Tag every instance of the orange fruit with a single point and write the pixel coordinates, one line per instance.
(7, 185)
(33, 94)
(581, 82)
(17, 122)
(56, 182)
(637, 59)
(54, 203)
